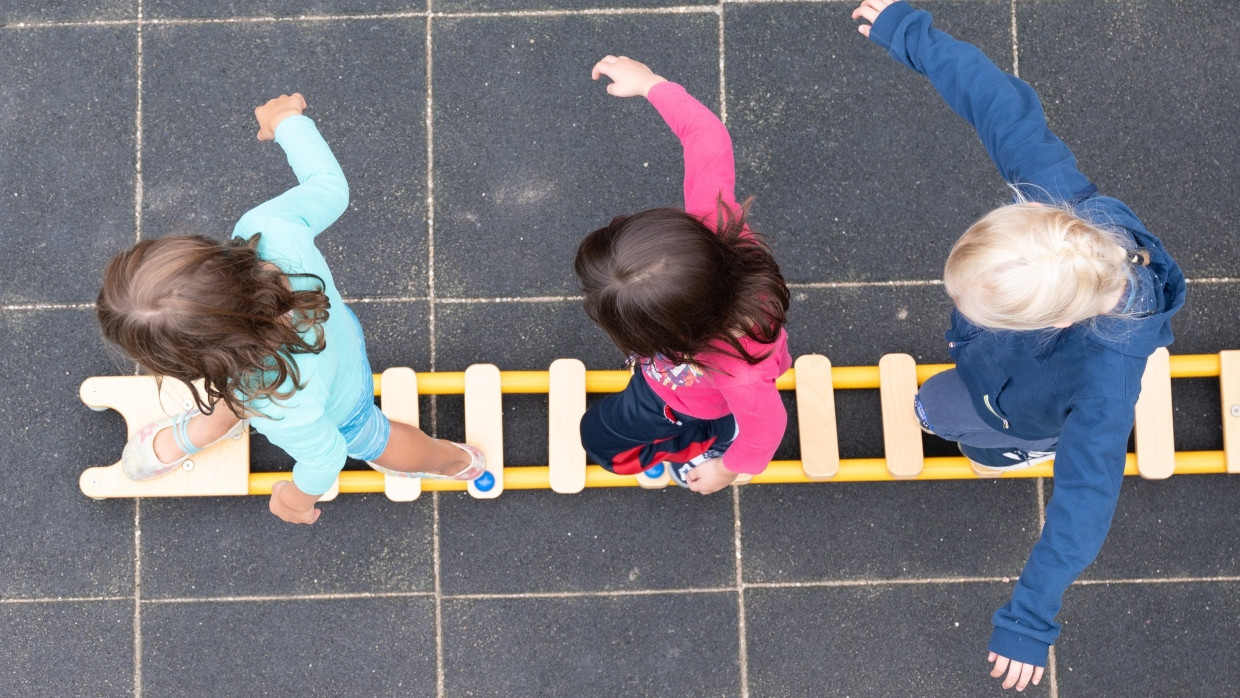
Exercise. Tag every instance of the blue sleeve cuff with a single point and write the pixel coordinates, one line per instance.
(1018, 648)
(314, 482)
(884, 29)
(294, 119)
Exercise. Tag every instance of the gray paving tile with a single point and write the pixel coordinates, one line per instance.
(856, 326)
(1210, 320)
(516, 336)
(659, 645)
(924, 640)
(235, 547)
(50, 437)
(17, 11)
(599, 540)
(860, 170)
(1153, 128)
(525, 5)
(276, 8)
(530, 155)
(798, 533)
(202, 167)
(397, 334)
(356, 647)
(67, 649)
(1167, 640)
(1169, 528)
(67, 175)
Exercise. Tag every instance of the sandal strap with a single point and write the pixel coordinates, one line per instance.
(180, 432)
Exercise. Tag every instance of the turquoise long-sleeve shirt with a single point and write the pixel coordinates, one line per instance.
(306, 424)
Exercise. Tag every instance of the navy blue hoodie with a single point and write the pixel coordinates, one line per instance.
(1081, 383)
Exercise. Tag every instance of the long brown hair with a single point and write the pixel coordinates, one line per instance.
(663, 282)
(190, 307)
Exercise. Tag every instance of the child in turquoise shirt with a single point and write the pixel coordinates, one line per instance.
(260, 320)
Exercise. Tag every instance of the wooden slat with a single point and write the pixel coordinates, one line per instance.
(655, 483)
(897, 386)
(484, 424)
(820, 446)
(566, 403)
(1155, 433)
(222, 470)
(1229, 389)
(399, 402)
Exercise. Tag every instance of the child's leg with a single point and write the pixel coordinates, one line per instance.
(633, 431)
(203, 429)
(411, 450)
(945, 409)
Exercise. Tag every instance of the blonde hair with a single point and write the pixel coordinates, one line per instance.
(1027, 266)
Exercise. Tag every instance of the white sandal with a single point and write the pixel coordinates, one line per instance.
(138, 460)
(477, 466)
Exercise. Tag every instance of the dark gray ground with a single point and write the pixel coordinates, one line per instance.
(863, 181)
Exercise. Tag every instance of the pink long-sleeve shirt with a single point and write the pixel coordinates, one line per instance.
(732, 386)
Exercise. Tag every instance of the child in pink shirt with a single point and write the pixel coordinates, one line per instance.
(697, 302)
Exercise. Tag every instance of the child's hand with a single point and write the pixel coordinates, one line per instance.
(289, 503)
(1018, 673)
(710, 476)
(276, 110)
(630, 78)
(869, 10)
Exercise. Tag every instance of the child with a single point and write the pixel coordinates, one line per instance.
(1060, 299)
(698, 304)
(260, 320)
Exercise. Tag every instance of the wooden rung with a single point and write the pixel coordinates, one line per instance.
(566, 403)
(484, 426)
(400, 404)
(663, 479)
(1229, 389)
(222, 470)
(820, 446)
(897, 386)
(1155, 432)
(743, 479)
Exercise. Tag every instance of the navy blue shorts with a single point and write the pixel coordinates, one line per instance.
(634, 430)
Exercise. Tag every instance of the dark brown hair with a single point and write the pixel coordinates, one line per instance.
(190, 307)
(663, 282)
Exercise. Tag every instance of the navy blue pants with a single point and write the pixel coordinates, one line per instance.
(944, 407)
(634, 430)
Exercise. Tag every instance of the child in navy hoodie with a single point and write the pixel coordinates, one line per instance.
(1060, 299)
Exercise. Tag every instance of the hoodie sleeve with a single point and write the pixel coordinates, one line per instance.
(322, 193)
(710, 168)
(1005, 110)
(1089, 467)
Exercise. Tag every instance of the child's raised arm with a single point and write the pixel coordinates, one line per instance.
(322, 193)
(710, 168)
(1004, 109)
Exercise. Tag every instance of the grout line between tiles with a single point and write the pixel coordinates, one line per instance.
(436, 564)
(343, 596)
(741, 627)
(137, 226)
(811, 285)
(137, 136)
(137, 597)
(1217, 579)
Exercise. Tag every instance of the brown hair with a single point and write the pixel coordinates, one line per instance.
(663, 282)
(190, 307)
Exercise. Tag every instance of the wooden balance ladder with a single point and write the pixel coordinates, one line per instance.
(224, 469)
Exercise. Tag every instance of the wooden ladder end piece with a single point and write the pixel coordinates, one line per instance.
(221, 470)
(399, 401)
(566, 403)
(1229, 390)
(816, 425)
(1154, 424)
(897, 386)
(484, 427)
